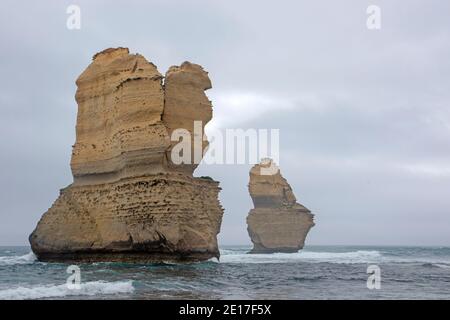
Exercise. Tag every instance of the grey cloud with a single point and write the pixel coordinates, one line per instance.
(353, 152)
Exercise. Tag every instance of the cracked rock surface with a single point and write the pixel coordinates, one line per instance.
(277, 223)
(128, 200)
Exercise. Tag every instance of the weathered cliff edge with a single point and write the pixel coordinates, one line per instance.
(277, 223)
(129, 201)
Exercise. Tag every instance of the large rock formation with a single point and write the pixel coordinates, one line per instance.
(129, 201)
(277, 223)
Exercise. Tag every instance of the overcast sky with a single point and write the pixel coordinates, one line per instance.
(364, 115)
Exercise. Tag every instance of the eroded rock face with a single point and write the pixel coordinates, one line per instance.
(128, 201)
(185, 106)
(277, 223)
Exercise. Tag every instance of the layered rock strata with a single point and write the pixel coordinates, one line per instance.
(129, 201)
(277, 223)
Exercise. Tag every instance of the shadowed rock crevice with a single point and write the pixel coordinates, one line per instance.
(277, 223)
(128, 201)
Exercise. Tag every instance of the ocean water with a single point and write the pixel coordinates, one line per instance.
(317, 272)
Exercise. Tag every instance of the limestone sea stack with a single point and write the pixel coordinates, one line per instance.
(277, 223)
(128, 200)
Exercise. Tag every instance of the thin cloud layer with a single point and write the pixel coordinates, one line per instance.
(363, 115)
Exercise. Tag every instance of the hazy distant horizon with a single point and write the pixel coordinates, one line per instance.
(249, 245)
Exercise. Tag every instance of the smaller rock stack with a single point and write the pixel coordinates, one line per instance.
(277, 223)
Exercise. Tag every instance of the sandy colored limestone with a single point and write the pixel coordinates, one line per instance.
(277, 223)
(128, 201)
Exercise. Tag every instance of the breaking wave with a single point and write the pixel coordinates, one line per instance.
(11, 260)
(436, 265)
(350, 257)
(442, 265)
(56, 291)
(360, 256)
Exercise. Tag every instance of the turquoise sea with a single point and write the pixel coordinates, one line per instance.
(317, 272)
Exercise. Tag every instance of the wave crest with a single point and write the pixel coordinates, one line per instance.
(54, 291)
(11, 260)
(360, 256)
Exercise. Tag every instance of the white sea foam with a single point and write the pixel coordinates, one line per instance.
(56, 291)
(350, 257)
(360, 256)
(11, 260)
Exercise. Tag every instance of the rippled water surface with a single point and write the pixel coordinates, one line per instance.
(317, 272)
